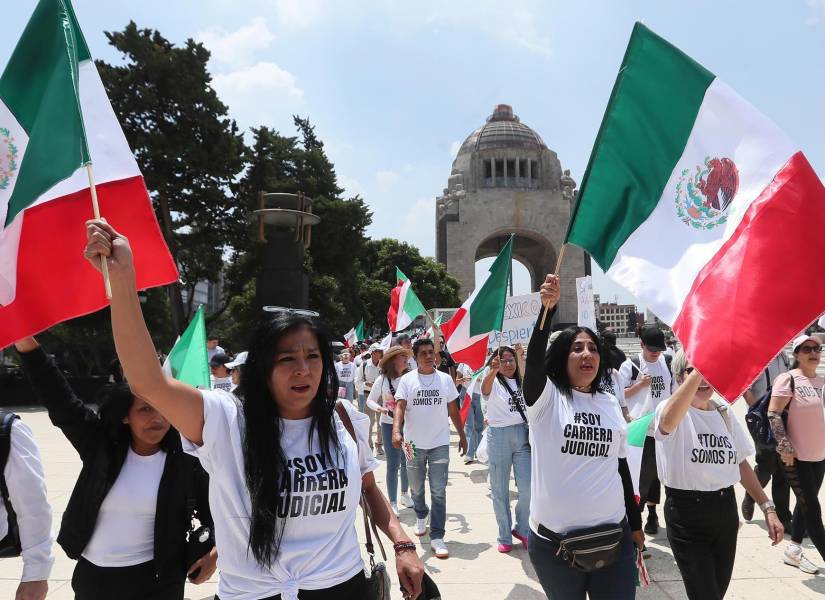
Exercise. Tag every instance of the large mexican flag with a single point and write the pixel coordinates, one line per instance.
(405, 306)
(468, 331)
(702, 208)
(55, 118)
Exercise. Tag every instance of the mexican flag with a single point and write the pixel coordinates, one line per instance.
(404, 304)
(55, 118)
(187, 361)
(467, 401)
(704, 210)
(354, 335)
(469, 329)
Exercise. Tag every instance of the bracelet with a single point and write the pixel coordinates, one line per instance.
(400, 547)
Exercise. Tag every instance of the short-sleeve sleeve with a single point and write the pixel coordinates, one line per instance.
(402, 391)
(361, 424)
(658, 434)
(448, 386)
(548, 396)
(782, 386)
(376, 390)
(623, 443)
(618, 386)
(626, 372)
(220, 414)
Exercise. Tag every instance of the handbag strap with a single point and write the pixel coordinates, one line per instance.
(369, 521)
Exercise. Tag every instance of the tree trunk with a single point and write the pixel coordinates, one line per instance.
(175, 296)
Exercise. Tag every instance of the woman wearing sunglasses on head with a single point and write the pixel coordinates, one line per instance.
(584, 518)
(702, 451)
(797, 418)
(285, 474)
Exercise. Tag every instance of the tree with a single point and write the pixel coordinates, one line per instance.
(187, 147)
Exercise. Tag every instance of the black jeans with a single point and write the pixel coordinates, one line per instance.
(560, 581)
(769, 468)
(91, 582)
(352, 589)
(650, 490)
(805, 479)
(702, 528)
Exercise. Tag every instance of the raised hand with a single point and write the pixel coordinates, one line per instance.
(550, 291)
(103, 241)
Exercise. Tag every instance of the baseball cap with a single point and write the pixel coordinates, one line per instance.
(239, 360)
(654, 339)
(376, 348)
(798, 341)
(219, 360)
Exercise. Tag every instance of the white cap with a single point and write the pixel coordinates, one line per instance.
(801, 340)
(239, 360)
(376, 348)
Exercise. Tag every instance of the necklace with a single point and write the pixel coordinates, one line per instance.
(581, 388)
(424, 381)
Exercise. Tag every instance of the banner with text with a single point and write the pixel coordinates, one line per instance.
(520, 316)
(587, 306)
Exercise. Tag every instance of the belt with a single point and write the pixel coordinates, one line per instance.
(557, 537)
(699, 494)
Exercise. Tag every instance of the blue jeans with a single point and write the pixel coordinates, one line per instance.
(509, 450)
(474, 426)
(560, 581)
(396, 466)
(362, 402)
(436, 461)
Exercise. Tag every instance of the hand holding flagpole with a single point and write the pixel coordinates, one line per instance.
(556, 274)
(104, 266)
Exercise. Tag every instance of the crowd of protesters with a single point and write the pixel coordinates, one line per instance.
(260, 476)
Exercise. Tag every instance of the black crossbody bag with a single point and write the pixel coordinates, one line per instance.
(514, 397)
(589, 549)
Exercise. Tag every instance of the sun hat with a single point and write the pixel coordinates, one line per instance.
(391, 354)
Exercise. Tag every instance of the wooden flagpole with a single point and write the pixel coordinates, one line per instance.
(558, 268)
(104, 266)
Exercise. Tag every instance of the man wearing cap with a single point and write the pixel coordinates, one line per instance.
(235, 370)
(365, 376)
(219, 372)
(649, 382)
(212, 348)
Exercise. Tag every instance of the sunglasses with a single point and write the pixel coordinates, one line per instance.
(689, 370)
(293, 311)
(808, 349)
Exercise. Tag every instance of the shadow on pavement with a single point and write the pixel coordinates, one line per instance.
(522, 592)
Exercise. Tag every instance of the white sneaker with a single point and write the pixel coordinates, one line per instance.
(394, 508)
(420, 527)
(795, 558)
(406, 500)
(468, 459)
(439, 548)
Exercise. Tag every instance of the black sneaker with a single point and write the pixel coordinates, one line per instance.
(652, 524)
(747, 508)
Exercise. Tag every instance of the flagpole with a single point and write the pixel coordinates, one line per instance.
(104, 266)
(558, 268)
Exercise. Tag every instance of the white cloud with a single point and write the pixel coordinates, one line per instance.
(262, 93)
(237, 48)
(352, 187)
(299, 13)
(386, 178)
(812, 21)
(454, 148)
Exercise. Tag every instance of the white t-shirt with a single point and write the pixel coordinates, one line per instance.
(615, 385)
(221, 383)
(124, 533)
(346, 372)
(502, 406)
(380, 395)
(661, 386)
(411, 364)
(425, 418)
(700, 454)
(27, 493)
(319, 548)
(576, 443)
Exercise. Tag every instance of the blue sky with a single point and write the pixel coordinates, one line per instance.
(393, 88)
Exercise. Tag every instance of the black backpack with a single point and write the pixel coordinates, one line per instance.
(9, 545)
(757, 418)
(637, 365)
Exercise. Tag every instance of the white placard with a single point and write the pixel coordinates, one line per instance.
(520, 314)
(587, 307)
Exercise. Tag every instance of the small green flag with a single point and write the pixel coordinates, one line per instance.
(188, 362)
(637, 430)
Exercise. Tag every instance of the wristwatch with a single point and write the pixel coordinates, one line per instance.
(767, 506)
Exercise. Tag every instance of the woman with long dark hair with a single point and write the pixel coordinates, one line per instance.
(508, 445)
(285, 475)
(131, 508)
(583, 513)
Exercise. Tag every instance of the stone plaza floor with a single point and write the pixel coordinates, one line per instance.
(475, 569)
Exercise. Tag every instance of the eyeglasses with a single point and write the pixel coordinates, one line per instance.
(294, 311)
(508, 361)
(808, 349)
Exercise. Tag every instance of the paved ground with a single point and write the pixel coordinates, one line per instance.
(475, 569)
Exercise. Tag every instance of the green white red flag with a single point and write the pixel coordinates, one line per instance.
(55, 118)
(188, 360)
(354, 335)
(698, 204)
(405, 306)
(468, 331)
(466, 402)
